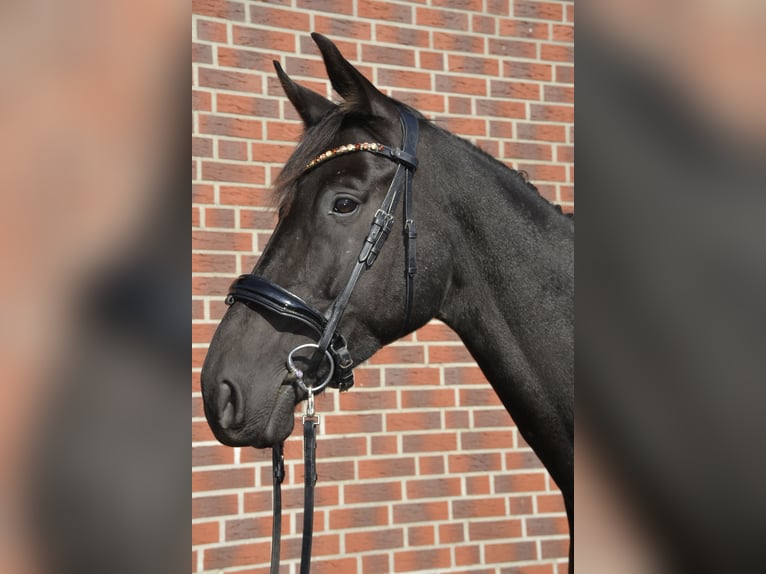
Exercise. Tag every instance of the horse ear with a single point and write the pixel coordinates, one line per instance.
(358, 91)
(310, 105)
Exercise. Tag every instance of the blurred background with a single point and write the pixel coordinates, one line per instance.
(94, 308)
(94, 286)
(670, 286)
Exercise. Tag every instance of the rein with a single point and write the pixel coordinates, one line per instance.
(259, 292)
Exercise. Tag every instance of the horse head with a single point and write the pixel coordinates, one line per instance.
(329, 195)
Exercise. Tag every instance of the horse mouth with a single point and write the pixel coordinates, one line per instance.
(236, 421)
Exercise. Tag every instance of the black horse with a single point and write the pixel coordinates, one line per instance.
(495, 262)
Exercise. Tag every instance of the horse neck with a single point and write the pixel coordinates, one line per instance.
(511, 288)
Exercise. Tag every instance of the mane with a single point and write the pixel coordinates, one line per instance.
(322, 135)
(536, 205)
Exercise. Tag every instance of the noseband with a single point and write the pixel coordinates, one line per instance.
(259, 292)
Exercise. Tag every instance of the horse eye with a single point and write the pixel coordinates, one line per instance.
(344, 205)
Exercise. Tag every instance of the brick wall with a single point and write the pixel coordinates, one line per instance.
(421, 468)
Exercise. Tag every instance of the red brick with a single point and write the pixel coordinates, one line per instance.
(218, 217)
(205, 533)
(510, 552)
(512, 48)
(246, 59)
(389, 55)
(461, 85)
(229, 80)
(521, 460)
(463, 43)
(281, 131)
(402, 36)
(211, 31)
(441, 18)
(425, 102)
(202, 147)
(369, 400)
(473, 65)
(543, 172)
(541, 132)
(219, 9)
(487, 439)
(409, 421)
(202, 333)
(518, 28)
(494, 529)
(221, 241)
(431, 442)
(237, 555)
(202, 53)
(372, 492)
(337, 26)
(232, 149)
(538, 10)
(475, 485)
(565, 74)
(528, 71)
(484, 24)
(379, 539)
(557, 53)
(547, 525)
(431, 560)
(404, 79)
(420, 512)
(353, 423)
(201, 101)
(451, 533)
(278, 17)
(467, 555)
(554, 548)
(465, 463)
(222, 479)
(421, 536)
(216, 505)
(464, 376)
(515, 90)
(472, 5)
(440, 398)
(373, 563)
(433, 488)
(210, 285)
(523, 482)
(358, 517)
(249, 196)
(397, 354)
(478, 397)
(261, 38)
(230, 126)
(431, 60)
(520, 150)
(386, 467)
(385, 11)
(550, 503)
(559, 94)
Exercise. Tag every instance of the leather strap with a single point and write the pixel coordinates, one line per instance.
(309, 462)
(278, 466)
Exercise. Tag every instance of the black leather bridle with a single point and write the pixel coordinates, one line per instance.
(260, 293)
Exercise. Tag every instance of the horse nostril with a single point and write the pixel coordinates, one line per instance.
(226, 402)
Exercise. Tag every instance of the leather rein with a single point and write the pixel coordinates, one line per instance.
(259, 292)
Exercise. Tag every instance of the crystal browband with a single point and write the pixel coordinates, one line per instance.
(349, 148)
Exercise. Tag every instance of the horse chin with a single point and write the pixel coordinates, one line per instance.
(280, 423)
